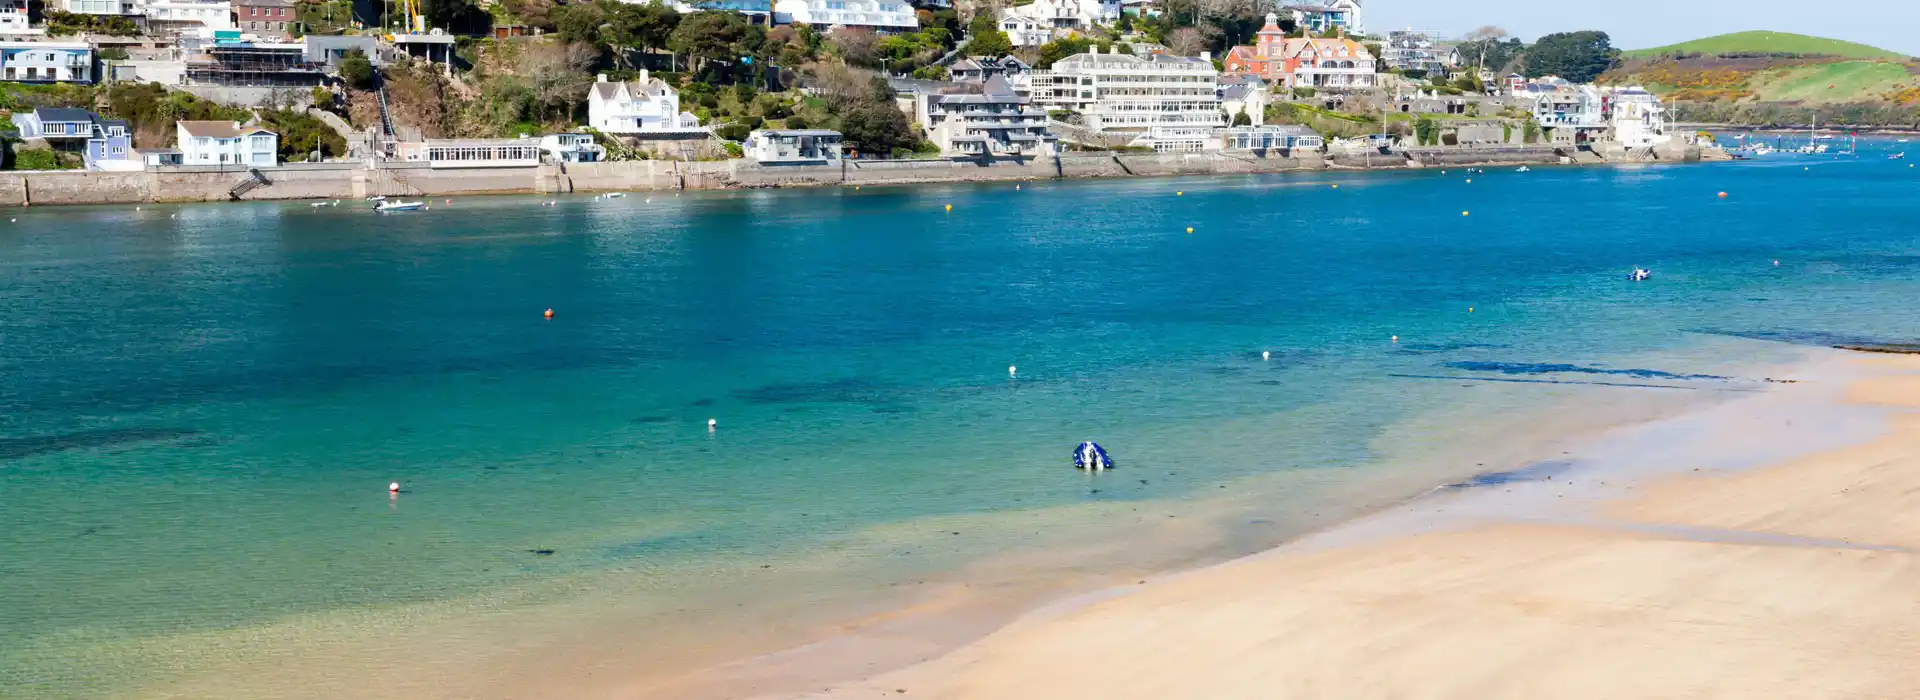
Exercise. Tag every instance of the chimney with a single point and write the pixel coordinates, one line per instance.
(1206, 56)
(603, 78)
(643, 75)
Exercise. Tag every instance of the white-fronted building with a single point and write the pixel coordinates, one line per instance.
(1638, 118)
(645, 106)
(184, 14)
(227, 143)
(100, 7)
(882, 15)
(1171, 102)
(1057, 16)
(46, 62)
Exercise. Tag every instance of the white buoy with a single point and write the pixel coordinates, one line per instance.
(712, 424)
(393, 487)
(1011, 369)
(1396, 339)
(1266, 355)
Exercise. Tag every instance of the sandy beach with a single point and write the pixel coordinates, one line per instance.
(1766, 548)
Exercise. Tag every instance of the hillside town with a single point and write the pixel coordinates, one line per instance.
(143, 85)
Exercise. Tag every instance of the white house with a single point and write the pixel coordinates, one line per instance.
(794, 147)
(1022, 30)
(884, 15)
(644, 106)
(572, 148)
(1638, 119)
(1328, 17)
(227, 143)
(46, 62)
(187, 13)
(1061, 14)
(14, 20)
(101, 7)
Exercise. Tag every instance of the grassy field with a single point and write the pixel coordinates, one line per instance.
(1769, 42)
(1846, 81)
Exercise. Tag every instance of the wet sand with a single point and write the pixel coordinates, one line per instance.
(1768, 547)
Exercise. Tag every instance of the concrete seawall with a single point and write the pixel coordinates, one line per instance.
(356, 181)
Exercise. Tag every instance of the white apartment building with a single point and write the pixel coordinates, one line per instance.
(100, 7)
(227, 143)
(180, 13)
(644, 106)
(883, 15)
(1639, 121)
(1061, 15)
(1172, 102)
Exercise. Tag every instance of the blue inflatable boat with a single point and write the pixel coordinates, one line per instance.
(1091, 457)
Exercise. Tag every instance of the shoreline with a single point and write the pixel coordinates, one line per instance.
(1228, 655)
(355, 181)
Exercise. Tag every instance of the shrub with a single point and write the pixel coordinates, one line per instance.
(796, 122)
(36, 159)
(733, 150)
(732, 132)
(1301, 93)
(356, 70)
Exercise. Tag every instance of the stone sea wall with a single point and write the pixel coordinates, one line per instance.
(355, 181)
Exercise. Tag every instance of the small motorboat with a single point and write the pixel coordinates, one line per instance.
(1897, 156)
(317, 204)
(1090, 456)
(1640, 274)
(399, 206)
(1524, 169)
(613, 195)
(377, 198)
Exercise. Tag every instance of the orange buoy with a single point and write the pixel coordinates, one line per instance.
(1723, 195)
(549, 313)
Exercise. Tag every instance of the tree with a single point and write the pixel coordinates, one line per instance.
(457, 16)
(723, 36)
(877, 127)
(1241, 119)
(631, 27)
(1427, 130)
(1186, 41)
(1061, 48)
(1577, 56)
(356, 70)
(579, 22)
(855, 45)
(991, 42)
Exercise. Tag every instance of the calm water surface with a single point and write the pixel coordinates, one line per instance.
(201, 406)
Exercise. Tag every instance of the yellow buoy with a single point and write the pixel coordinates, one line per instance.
(949, 207)
(1463, 213)
(1336, 187)
(1469, 309)
(1179, 194)
(1189, 229)
(1469, 181)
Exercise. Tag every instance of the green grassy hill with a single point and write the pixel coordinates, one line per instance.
(1768, 43)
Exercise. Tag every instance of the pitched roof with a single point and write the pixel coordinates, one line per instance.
(62, 114)
(263, 3)
(212, 130)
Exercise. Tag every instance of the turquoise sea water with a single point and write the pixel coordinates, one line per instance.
(201, 406)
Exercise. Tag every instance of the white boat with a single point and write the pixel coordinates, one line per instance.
(1897, 156)
(317, 204)
(377, 198)
(1640, 274)
(399, 206)
(1524, 169)
(613, 195)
